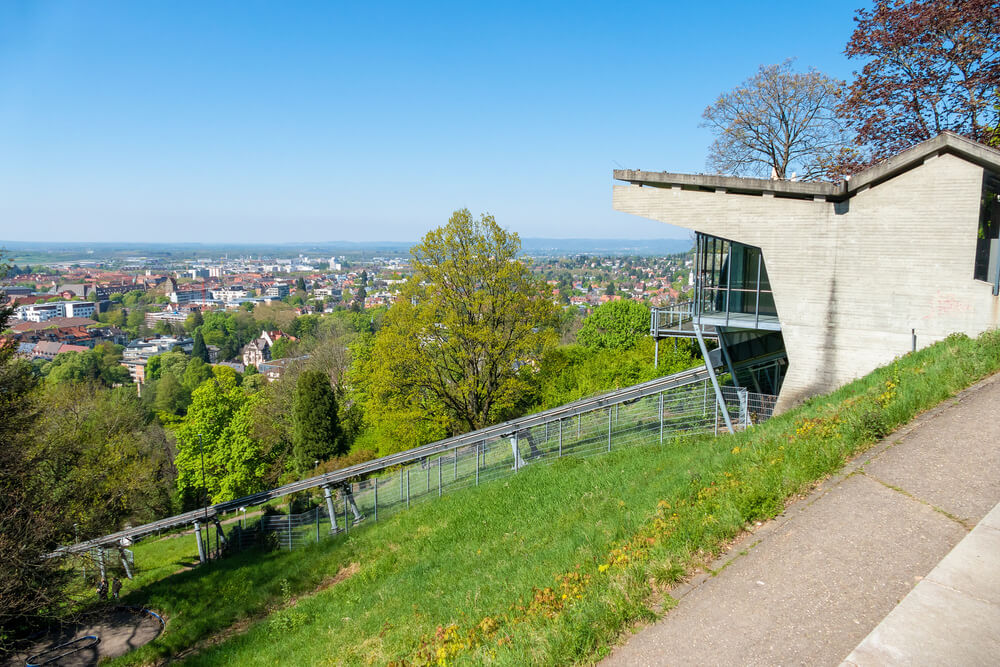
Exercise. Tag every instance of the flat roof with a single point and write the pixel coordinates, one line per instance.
(944, 143)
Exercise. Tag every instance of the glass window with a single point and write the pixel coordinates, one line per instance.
(987, 243)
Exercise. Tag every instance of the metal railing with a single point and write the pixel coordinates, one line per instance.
(675, 321)
(657, 410)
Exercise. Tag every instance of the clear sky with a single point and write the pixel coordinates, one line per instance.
(322, 121)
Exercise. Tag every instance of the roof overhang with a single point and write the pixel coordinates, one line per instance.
(944, 143)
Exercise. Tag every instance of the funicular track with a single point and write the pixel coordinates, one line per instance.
(666, 407)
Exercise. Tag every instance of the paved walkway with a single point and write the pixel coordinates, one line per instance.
(811, 585)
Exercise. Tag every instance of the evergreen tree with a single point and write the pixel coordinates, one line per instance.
(316, 427)
(300, 284)
(199, 351)
(194, 320)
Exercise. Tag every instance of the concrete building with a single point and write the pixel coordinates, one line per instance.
(136, 354)
(829, 281)
(181, 297)
(278, 290)
(42, 312)
(227, 294)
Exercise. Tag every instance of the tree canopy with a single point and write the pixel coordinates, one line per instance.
(316, 424)
(930, 66)
(100, 364)
(447, 358)
(616, 325)
(776, 122)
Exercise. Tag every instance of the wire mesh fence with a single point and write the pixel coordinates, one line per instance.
(655, 411)
(655, 418)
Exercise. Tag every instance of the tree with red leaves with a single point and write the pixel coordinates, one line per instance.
(933, 65)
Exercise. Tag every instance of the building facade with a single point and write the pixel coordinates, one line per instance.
(838, 278)
(43, 312)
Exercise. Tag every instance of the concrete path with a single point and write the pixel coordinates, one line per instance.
(811, 585)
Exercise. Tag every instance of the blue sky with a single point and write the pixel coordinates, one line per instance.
(324, 121)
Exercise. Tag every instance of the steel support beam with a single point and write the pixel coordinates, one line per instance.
(725, 355)
(197, 537)
(328, 497)
(121, 555)
(715, 381)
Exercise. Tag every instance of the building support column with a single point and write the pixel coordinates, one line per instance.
(725, 355)
(328, 497)
(197, 536)
(711, 374)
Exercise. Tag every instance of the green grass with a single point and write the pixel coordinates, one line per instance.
(480, 575)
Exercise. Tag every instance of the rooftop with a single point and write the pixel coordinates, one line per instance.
(944, 143)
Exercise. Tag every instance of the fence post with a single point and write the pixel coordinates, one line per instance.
(515, 444)
(715, 425)
(439, 477)
(560, 436)
(317, 525)
(289, 526)
(579, 425)
(407, 488)
(375, 479)
(609, 429)
(347, 520)
(661, 417)
(477, 460)
(454, 476)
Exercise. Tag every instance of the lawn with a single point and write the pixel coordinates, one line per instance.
(548, 566)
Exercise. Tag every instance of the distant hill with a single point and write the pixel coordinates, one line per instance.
(557, 247)
(41, 251)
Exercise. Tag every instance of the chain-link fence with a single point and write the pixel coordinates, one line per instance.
(655, 418)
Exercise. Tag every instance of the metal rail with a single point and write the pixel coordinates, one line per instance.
(337, 477)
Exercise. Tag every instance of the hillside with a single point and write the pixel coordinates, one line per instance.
(547, 566)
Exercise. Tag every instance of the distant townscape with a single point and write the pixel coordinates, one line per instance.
(150, 306)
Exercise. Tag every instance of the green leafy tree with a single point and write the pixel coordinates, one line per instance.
(196, 372)
(200, 350)
(220, 420)
(131, 299)
(448, 355)
(282, 348)
(107, 461)
(616, 325)
(171, 396)
(135, 323)
(153, 367)
(114, 317)
(569, 373)
(31, 585)
(193, 321)
(98, 365)
(316, 434)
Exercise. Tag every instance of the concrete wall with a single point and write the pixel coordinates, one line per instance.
(850, 286)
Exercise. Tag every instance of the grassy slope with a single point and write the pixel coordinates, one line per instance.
(548, 566)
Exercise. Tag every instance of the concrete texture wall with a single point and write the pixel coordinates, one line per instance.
(849, 285)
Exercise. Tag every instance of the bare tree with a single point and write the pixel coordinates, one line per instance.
(775, 123)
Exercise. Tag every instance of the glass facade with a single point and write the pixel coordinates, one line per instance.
(732, 283)
(988, 239)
